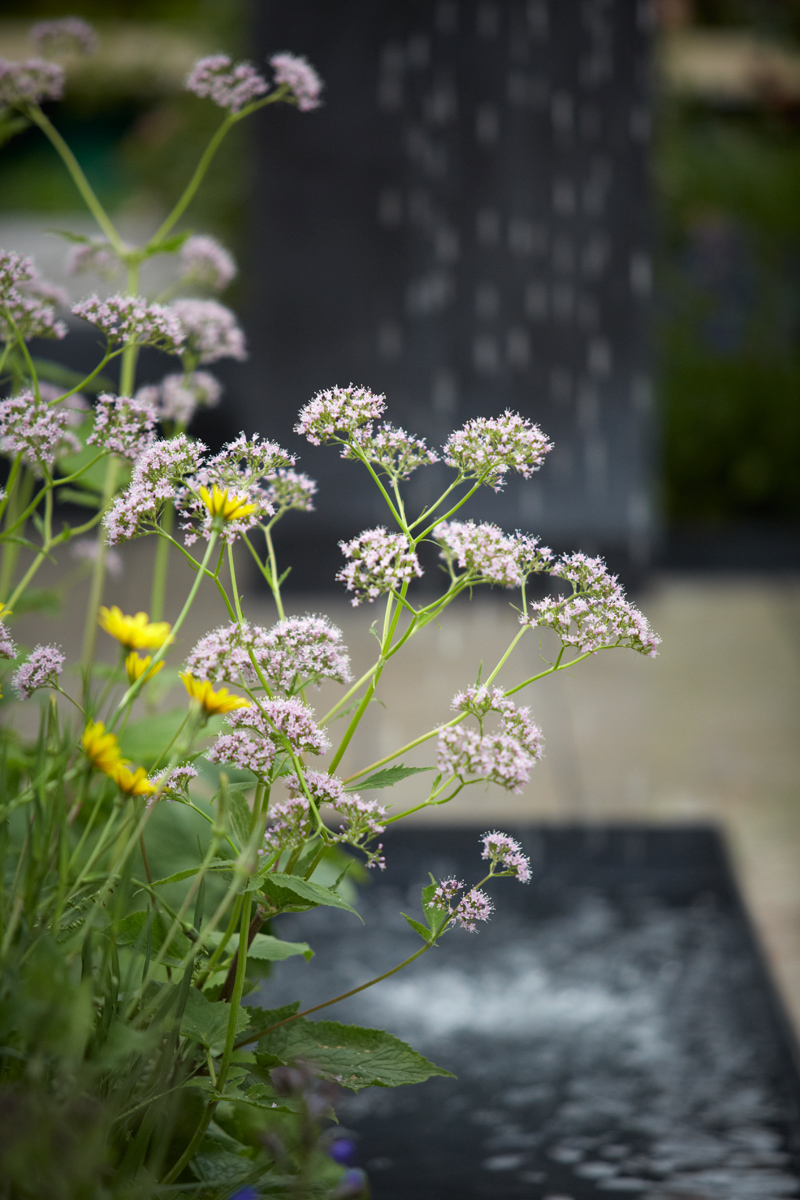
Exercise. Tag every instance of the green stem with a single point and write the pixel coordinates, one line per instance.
(98, 569)
(238, 989)
(273, 566)
(195, 181)
(158, 589)
(79, 179)
(135, 688)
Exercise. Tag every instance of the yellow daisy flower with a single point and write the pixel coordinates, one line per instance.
(101, 748)
(137, 633)
(220, 504)
(136, 666)
(133, 783)
(213, 702)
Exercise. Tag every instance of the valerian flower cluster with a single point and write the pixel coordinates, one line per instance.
(181, 794)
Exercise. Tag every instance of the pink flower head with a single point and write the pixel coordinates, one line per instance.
(29, 306)
(283, 720)
(515, 722)
(130, 320)
(380, 562)
(392, 450)
(14, 270)
(30, 82)
(205, 263)
(238, 470)
(209, 329)
(486, 448)
(297, 74)
(123, 426)
(157, 476)
(596, 615)
(37, 430)
(338, 413)
(7, 647)
(290, 825)
(321, 787)
(299, 651)
(475, 906)
(229, 86)
(363, 818)
(287, 489)
(177, 780)
(471, 756)
(505, 856)
(64, 34)
(178, 396)
(42, 669)
(223, 656)
(255, 754)
(490, 555)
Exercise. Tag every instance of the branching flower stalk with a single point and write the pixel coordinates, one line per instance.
(153, 995)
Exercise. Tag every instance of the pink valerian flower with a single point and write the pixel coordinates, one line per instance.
(392, 450)
(95, 256)
(515, 722)
(123, 426)
(302, 650)
(204, 263)
(157, 477)
(297, 74)
(229, 86)
(363, 821)
(7, 647)
(282, 720)
(597, 615)
(42, 669)
(291, 824)
(238, 469)
(64, 34)
(380, 562)
(496, 758)
(87, 550)
(177, 781)
(210, 331)
(338, 413)
(222, 656)
(30, 82)
(490, 555)
(287, 489)
(178, 396)
(474, 906)
(133, 321)
(29, 316)
(295, 652)
(505, 856)
(14, 269)
(255, 754)
(36, 430)
(321, 787)
(486, 448)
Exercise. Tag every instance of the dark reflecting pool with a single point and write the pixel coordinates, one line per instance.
(613, 1030)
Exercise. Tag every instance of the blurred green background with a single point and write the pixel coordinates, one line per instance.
(726, 174)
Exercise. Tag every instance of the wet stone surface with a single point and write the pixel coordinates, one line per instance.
(612, 1029)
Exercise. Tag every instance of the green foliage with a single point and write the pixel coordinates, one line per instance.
(350, 1054)
(389, 777)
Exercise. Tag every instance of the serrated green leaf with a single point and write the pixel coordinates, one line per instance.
(78, 239)
(179, 876)
(418, 927)
(132, 931)
(286, 890)
(433, 914)
(356, 1057)
(241, 815)
(387, 778)
(206, 1021)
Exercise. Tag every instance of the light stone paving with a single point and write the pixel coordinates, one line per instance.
(708, 731)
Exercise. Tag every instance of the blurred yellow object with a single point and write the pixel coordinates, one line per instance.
(220, 504)
(137, 632)
(137, 666)
(213, 702)
(102, 749)
(133, 783)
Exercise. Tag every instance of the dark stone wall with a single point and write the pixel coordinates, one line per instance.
(465, 226)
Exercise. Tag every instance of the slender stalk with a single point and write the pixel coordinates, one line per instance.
(158, 590)
(98, 569)
(194, 183)
(79, 179)
(136, 687)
